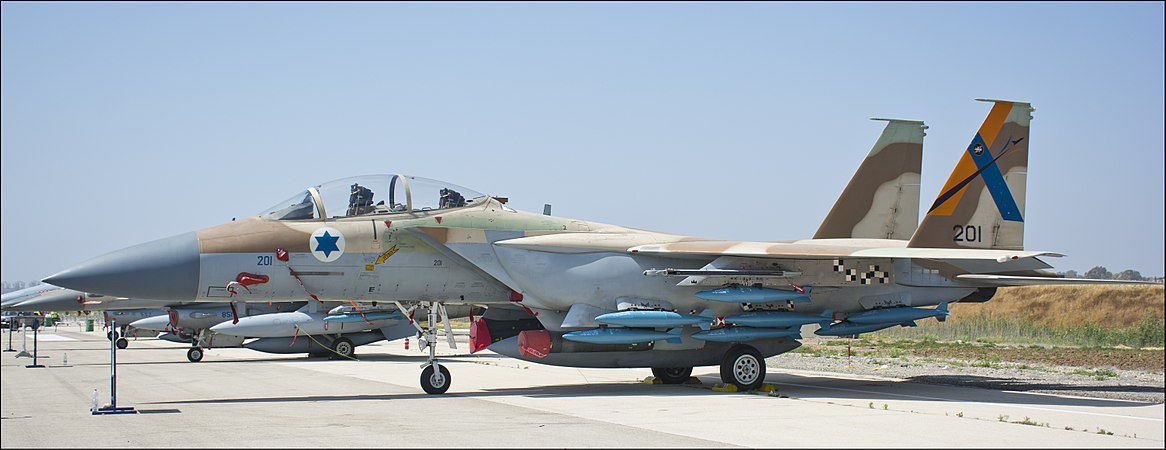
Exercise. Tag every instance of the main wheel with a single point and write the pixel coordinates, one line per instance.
(672, 375)
(744, 367)
(343, 348)
(435, 382)
(194, 354)
(122, 343)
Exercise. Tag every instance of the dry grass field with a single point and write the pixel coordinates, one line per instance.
(1082, 316)
(1070, 306)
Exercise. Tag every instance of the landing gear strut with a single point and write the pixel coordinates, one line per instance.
(435, 378)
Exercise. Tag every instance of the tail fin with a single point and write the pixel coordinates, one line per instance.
(882, 199)
(982, 203)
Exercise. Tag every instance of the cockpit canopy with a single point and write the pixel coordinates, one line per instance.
(373, 194)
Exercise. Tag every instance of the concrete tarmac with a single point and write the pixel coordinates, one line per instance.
(242, 398)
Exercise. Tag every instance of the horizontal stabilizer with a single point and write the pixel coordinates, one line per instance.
(1011, 280)
(829, 249)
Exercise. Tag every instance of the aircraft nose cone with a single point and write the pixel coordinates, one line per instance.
(165, 269)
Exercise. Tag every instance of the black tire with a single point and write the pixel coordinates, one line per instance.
(122, 343)
(672, 375)
(343, 348)
(111, 335)
(435, 383)
(194, 354)
(744, 367)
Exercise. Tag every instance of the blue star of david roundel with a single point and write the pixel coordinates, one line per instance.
(327, 244)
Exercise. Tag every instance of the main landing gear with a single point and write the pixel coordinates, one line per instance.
(741, 366)
(672, 375)
(744, 367)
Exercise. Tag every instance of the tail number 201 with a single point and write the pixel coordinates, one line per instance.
(968, 233)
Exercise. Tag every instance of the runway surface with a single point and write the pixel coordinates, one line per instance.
(242, 398)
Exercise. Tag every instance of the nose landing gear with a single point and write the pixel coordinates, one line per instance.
(435, 378)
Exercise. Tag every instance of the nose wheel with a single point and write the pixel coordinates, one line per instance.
(122, 343)
(435, 381)
(194, 354)
(435, 378)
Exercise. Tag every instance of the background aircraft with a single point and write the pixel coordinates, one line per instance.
(575, 293)
(331, 329)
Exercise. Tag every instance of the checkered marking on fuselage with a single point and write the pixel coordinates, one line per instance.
(871, 276)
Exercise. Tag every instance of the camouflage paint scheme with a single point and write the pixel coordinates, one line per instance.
(885, 189)
(559, 274)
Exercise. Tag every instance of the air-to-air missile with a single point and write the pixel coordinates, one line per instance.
(878, 319)
(749, 294)
(620, 335)
(651, 319)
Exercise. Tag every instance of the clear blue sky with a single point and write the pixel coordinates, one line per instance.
(127, 122)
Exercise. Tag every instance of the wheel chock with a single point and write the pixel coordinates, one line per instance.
(725, 388)
(652, 380)
(693, 380)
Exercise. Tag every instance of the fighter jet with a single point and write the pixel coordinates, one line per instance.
(570, 292)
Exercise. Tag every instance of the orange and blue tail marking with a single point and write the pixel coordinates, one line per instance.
(980, 161)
